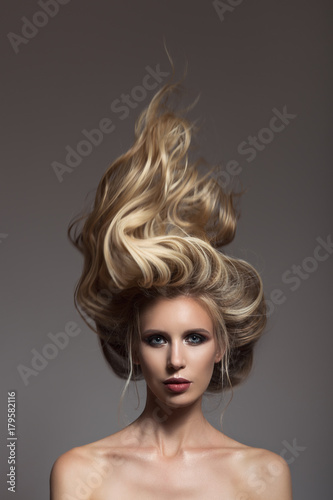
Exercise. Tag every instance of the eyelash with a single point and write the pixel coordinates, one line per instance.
(149, 340)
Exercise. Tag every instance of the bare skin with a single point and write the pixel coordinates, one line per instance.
(171, 451)
(220, 469)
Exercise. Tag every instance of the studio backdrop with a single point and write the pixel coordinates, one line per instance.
(75, 77)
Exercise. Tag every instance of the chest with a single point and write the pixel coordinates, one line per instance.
(185, 480)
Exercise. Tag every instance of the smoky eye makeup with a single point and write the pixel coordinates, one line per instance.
(193, 338)
(198, 338)
(154, 340)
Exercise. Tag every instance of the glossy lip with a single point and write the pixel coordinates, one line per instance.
(178, 388)
(177, 380)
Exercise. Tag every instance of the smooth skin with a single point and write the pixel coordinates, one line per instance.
(171, 450)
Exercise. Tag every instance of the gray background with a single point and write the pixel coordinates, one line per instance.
(264, 54)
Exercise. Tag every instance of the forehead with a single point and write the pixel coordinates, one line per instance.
(178, 311)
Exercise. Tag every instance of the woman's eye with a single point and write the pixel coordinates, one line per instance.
(156, 340)
(196, 339)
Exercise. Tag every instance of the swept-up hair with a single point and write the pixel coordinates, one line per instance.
(156, 229)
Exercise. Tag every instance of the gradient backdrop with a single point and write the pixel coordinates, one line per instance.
(66, 67)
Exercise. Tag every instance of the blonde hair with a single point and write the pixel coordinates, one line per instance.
(155, 230)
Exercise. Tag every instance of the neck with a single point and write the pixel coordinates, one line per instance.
(171, 429)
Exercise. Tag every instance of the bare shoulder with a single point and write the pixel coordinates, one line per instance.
(66, 473)
(264, 475)
(78, 472)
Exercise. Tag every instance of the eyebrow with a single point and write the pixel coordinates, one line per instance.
(186, 332)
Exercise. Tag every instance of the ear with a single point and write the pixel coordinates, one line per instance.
(135, 359)
(219, 355)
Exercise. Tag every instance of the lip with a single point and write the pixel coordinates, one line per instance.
(177, 384)
(178, 387)
(176, 380)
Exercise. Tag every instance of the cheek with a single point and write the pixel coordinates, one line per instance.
(205, 362)
(151, 361)
(204, 355)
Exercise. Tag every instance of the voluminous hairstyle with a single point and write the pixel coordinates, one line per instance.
(156, 229)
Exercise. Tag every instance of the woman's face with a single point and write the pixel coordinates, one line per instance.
(177, 340)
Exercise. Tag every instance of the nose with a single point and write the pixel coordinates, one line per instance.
(176, 355)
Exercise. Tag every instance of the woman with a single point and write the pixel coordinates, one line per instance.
(171, 308)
